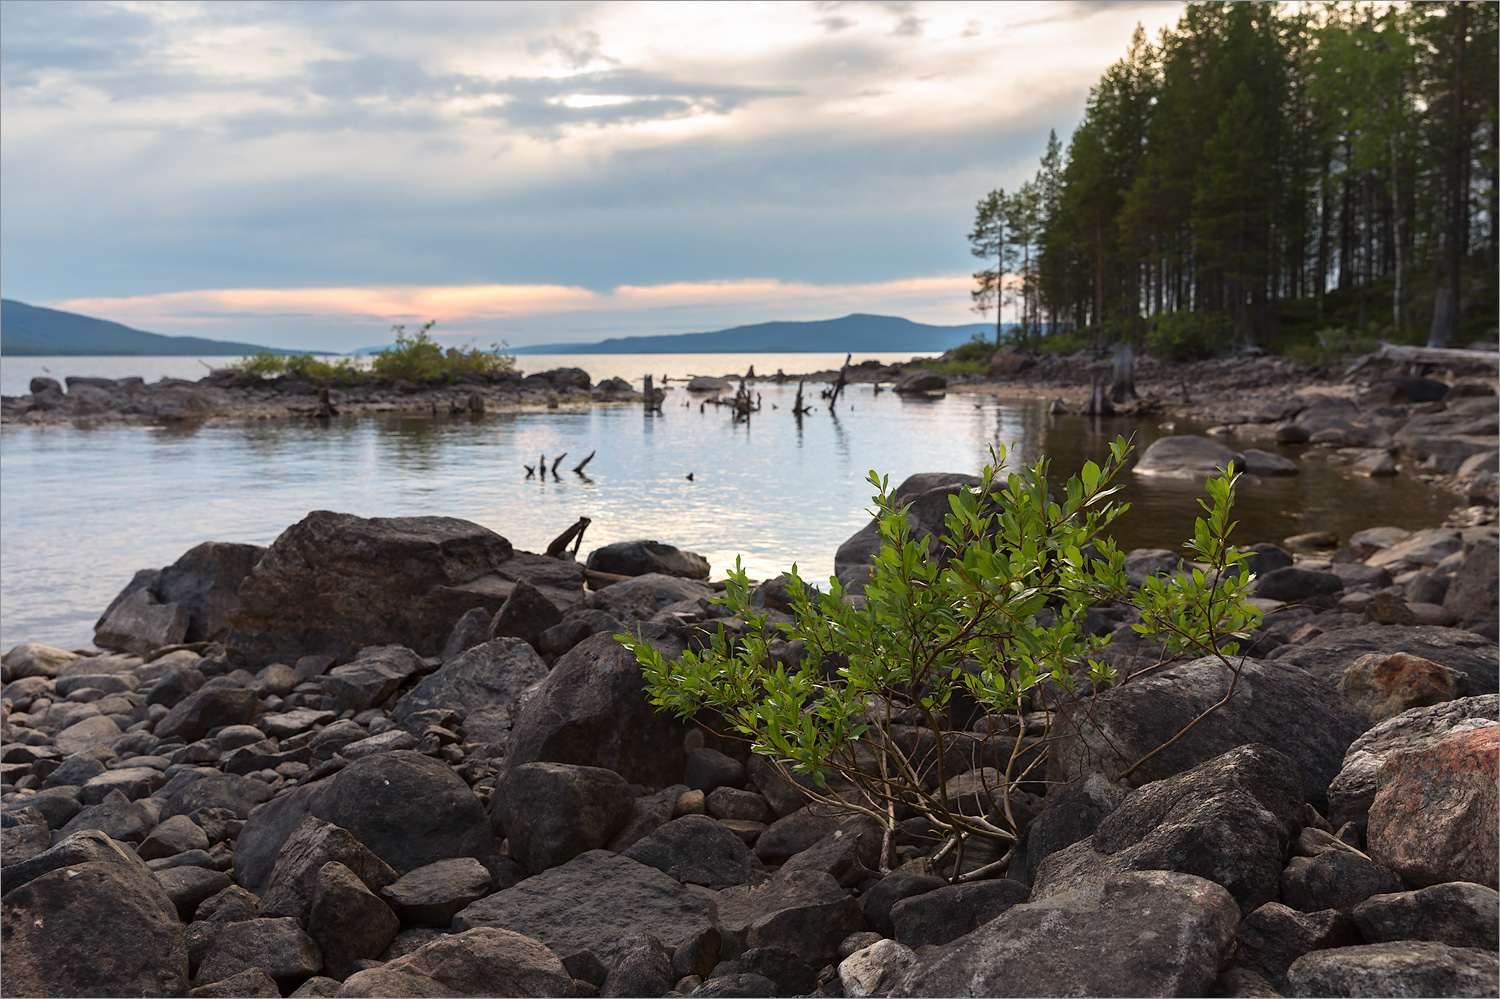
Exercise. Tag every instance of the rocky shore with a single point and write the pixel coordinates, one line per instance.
(228, 394)
(398, 757)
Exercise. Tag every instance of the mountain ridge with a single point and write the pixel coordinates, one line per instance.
(856, 331)
(33, 331)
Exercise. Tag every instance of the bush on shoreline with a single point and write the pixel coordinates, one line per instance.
(415, 358)
(992, 623)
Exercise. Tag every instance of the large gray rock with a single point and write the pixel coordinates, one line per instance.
(1352, 790)
(804, 912)
(1328, 655)
(1229, 820)
(477, 962)
(433, 895)
(1141, 933)
(482, 686)
(209, 708)
(334, 583)
(927, 495)
(592, 711)
(920, 382)
(140, 623)
(346, 920)
(594, 902)
(311, 846)
(279, 947)
(697, 850)
(636, 558)
(639, 598)
(375, 674)
(1274, 704)
(552, 812)
(1459, 913)
(408, 809)
(58, 941)
(1071, 813)
(1473, 593)
(1400, 968)
(947, 913)
(1184, 457)
(205, 582)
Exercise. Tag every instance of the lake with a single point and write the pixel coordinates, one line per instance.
(83, 507)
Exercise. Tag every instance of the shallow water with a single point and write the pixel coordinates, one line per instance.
(81, 508)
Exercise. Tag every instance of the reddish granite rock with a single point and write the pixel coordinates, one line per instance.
(1384, 686)
(1435, 811)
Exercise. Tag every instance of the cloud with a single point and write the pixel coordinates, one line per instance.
(154, 148)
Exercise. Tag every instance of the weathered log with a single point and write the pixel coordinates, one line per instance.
(1402, 353)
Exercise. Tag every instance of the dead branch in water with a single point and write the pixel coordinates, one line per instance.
(578, 468)
(573, 535)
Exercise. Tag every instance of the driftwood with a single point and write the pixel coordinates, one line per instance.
(799, 410)
(1403, 354)
(838, 387)
(573, 535)
(651, 396)
(557, 461)
(326, 408)
(578, 468)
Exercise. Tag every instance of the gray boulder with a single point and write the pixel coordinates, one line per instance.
(373, 676)
(1140, 933)
(141, 623)
(1229, 820)
(277, 946)
(1399, 968)
(346, 920)
(525, 614)
(1269, 939)
(312, 846)
(697, 850)
(482, 686)
(205, 582)
(552, 812)
(1459, 913)
(920, 382)
(806, 913)
(1274, 704)
(949, 912)
(334, 583)
(56, 942)
(594, 902)
(209, 708)
(592, 711)
(433, 895)
(479, 962)
(636, 558)
(926, 494)
(1184, 457)
(408, 809)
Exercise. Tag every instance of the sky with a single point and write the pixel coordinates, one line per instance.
(305, 175)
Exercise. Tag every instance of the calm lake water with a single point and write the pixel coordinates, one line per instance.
(81, 508)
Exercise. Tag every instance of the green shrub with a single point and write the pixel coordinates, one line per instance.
(261, 364)
(1189, 336)
(978, 350)
(993, 616)
(419, 359)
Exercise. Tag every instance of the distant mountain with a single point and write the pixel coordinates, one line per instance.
(27, 330)
(858, 332)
